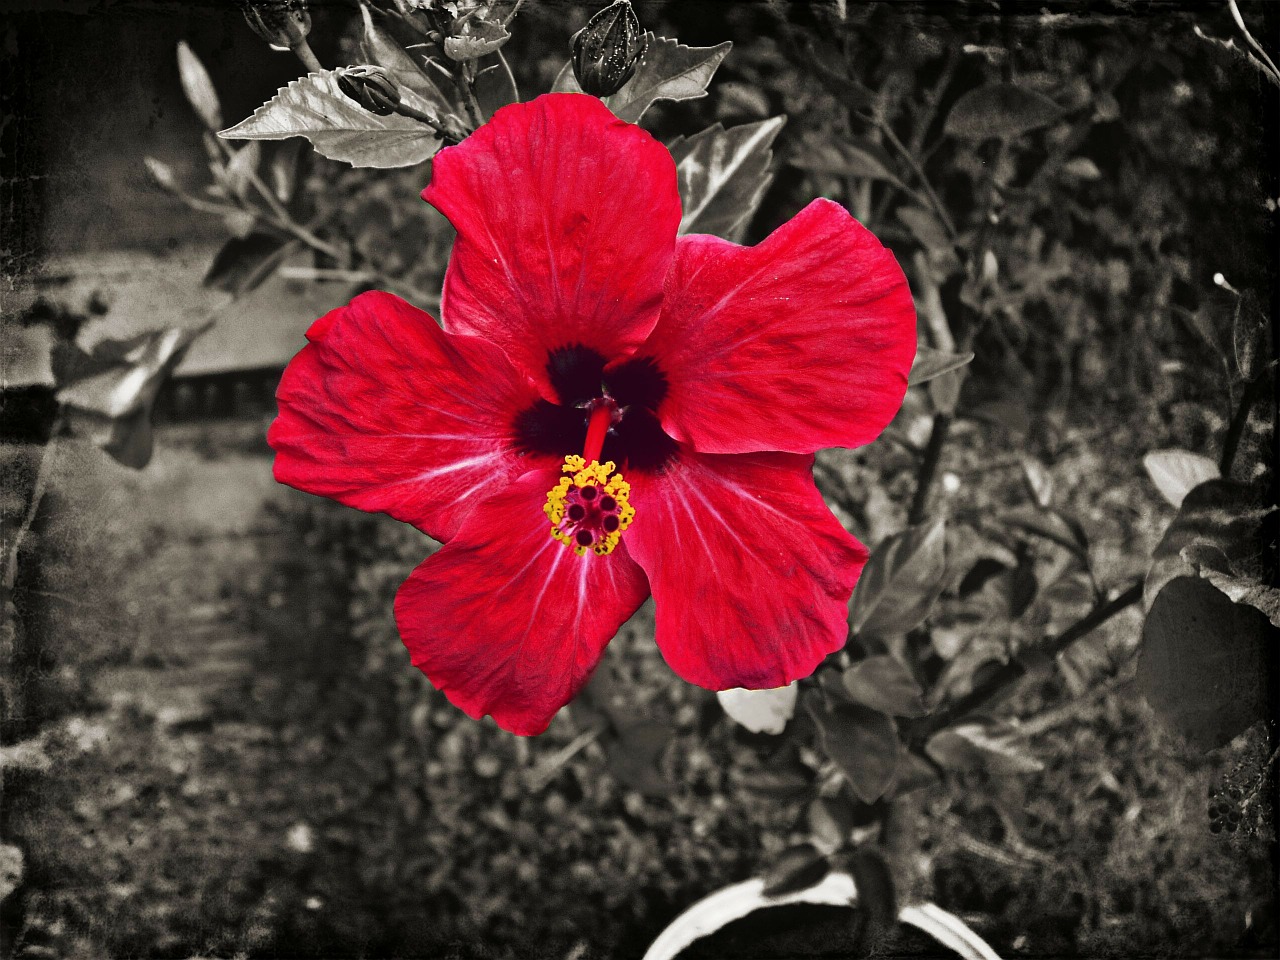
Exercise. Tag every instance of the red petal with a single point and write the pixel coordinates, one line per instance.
(566, 220)
(509, 622)
(801, 342)
(383, 411)
(751, 573)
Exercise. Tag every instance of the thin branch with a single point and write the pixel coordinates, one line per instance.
(1003, 680)
(448, 136)
(934, 200)
(37, 496)
(304, 53)
(1235, 430)
(547, 769)
(929, 467)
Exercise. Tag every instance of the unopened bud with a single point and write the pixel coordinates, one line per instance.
(607, 49)
(282, 23)
(371, 87)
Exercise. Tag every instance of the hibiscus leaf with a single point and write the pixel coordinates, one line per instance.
(796, 868)
(723, 175)
(243, 264)
(926, 227)
(760, 711)
(314, 107)
(845, 158)
(862, 742)
(977, 746)
(495, 88)
(1000, 110)
(930, 363)
(198, 87)
(831, 822)
(1176, 472)
(882, 683)
(1233, 518)
(113, 405)
(900, 582)
(1205, 662)
(1212, 563)
(1051, 525)
(668, 71)
(635, 755)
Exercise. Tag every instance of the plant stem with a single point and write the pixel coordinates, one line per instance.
(304, 53)
(37, 496)
(447, 135)
(1235, 430)
(1004, 679)
(929, 467)
(467, 83)
(918, 171)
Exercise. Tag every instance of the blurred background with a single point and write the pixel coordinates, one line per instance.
(213, 743)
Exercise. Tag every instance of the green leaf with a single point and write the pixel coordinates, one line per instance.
(863, 743)
(914, 773)
(930, 363)
(797, 868)
(830, 823)
(1039, 481)
(974, 746)
(314, 107)
(1222, 514)
(1001, 110)
(760, 711)
(668, 71)
(926, 227)
(1214, 565)
(1082, 168)
(883, 683)
(1206, 663)
(113, 404)
(1051, 525)
(244, 264)
(495, 88)
(635, 755)
(900, 582)
(198, 87)
(161, 173)
(1176, 472)
(473, 38)
(845, 158)
(723, 175)
(242, 167)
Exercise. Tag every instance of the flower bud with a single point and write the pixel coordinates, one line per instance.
(607, 49)
(282, 23)
(371, 87)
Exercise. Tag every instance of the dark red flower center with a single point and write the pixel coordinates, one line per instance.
(634, 389)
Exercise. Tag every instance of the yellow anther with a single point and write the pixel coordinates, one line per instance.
(579, 510)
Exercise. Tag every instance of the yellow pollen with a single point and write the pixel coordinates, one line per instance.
(585, 487)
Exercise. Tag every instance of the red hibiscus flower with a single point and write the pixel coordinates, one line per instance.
(610, 411)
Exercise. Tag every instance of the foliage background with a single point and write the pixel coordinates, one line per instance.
(323, 801)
